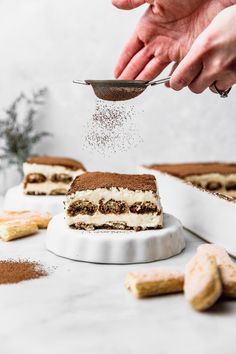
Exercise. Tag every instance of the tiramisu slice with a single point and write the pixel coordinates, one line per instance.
(114, 201)
(215, 176)
(44, 175)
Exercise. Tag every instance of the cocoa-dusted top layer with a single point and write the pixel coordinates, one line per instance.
(57, 161)
(94, 180)
(183, 170)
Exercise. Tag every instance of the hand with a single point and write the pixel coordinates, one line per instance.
(212, 58)
(164, 34)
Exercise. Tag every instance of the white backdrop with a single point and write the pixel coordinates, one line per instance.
(52, 42)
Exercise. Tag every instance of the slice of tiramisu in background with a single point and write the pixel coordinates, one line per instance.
(213, 176)
(45, 175)
(113, 201)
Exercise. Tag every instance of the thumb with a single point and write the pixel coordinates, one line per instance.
(128, 4)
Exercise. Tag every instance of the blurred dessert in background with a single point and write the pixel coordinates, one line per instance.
(213, 176)
(46, 175)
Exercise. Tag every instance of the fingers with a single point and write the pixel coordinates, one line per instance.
(210, 77)
(133, 46)
(212, 88)
(205, 63)
(188, 69)
(222, 93)
(191, 65)
(153, 68)
(127, 4)
(223, 85)
(136, 65)
(201, 82)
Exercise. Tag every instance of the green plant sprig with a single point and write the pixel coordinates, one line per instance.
(18, 139)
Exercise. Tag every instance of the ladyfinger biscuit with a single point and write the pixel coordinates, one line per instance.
(11, 215)
(202, 285)
(155, 282)
(41, 219)
(11, 230)
(226, 266)
(6, 216)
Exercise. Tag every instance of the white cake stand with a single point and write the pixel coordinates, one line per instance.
(117, 247)
(15, 199)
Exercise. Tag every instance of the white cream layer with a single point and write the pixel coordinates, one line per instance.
(132, 220)
(45, 187)
(49, 170)
(121, 194)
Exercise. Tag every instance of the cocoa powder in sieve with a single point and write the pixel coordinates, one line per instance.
(12, 271)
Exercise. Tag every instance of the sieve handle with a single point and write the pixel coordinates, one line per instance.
(158, 82)
(80, 82)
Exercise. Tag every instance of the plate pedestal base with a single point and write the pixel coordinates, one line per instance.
(115, 247)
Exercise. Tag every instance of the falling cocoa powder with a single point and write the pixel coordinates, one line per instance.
(12, 271)
(111, 128)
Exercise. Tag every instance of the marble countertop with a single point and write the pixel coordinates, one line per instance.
(84, 308)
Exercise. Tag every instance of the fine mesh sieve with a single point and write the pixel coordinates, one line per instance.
(119, 90)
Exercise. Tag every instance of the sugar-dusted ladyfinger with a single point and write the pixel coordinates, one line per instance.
(11, 230)
(40, 218)
(202, 285)
(155, 282)
(226, 266)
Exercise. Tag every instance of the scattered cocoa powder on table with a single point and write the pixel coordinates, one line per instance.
(15, 271)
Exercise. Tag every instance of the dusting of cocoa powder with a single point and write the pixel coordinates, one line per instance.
(15, 271)
(111, 129)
